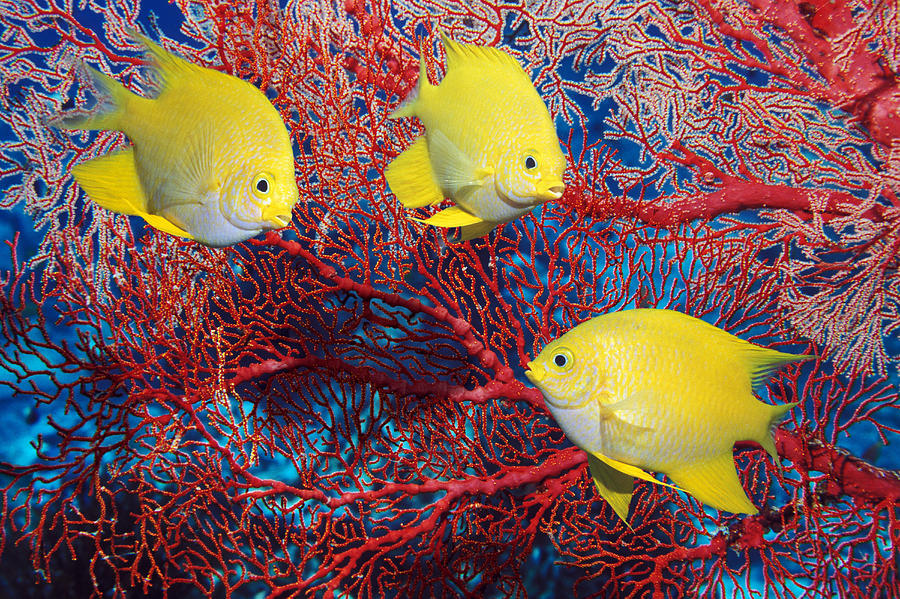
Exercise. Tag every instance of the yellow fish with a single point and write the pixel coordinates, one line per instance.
(211, 158)
(658, 390)
(489, 143)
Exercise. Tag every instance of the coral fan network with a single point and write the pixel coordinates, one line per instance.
(339, 408)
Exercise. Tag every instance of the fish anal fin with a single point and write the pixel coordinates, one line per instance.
(451, 217)
(715, 483)
(411, 178)
(111, 182)
(469, 232)
(614, 486)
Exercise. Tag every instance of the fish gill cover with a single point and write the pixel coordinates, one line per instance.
(339, 408)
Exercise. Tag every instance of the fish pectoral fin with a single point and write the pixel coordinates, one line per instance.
(630, 470)
(634, 403)
(715, 482)
(469, 232)
(454, 171)
(451, 217)
(614, 486)
(410, 177)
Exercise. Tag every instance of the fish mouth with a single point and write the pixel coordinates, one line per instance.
(552, 192)
(535, 373)
(280, 221)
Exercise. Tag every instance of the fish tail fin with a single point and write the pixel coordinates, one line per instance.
(110, 115)
(411, 178)
(407, 108)
(767, 440)
(715, 483)
(111, 181)
(762, 362)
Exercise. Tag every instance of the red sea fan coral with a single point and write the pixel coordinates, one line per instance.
(337, 409)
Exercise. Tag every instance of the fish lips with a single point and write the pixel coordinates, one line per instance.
(551, 192)
(535, 373)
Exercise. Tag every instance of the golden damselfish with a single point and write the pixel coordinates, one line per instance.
(489, 143)
(211, 158)
(662, 391)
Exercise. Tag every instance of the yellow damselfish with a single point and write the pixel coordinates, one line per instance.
(662, 391)
(211, 158)
(489, 143)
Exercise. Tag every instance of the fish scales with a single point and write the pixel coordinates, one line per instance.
(491, 146)
(662, 391)
(211, 158)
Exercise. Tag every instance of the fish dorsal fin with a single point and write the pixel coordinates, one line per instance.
(460, 54)
(411, 177)
(169, 67)
(451, 217)
(762, 362)
(454, 170)
(614, 486)
(715, 482)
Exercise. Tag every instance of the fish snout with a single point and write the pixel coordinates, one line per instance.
(279, 221)
(553, 191)
(535, 373)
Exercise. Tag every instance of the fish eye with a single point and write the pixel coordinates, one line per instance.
(530, 162)
(262, 184)
(563, 359)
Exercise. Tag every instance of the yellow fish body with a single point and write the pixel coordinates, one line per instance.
(662, 391)
(489, 143)
(211, 158)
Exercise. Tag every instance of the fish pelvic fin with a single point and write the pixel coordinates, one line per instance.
(630, 470)
(111, 182)
(451, 217)
(411, 178)
(407, 107)
(767, 440)
(114, 101)
(614, 486)
(469, 232)
(762, 362)
(715, 483)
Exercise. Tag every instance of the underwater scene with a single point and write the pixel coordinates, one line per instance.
(423, 298)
